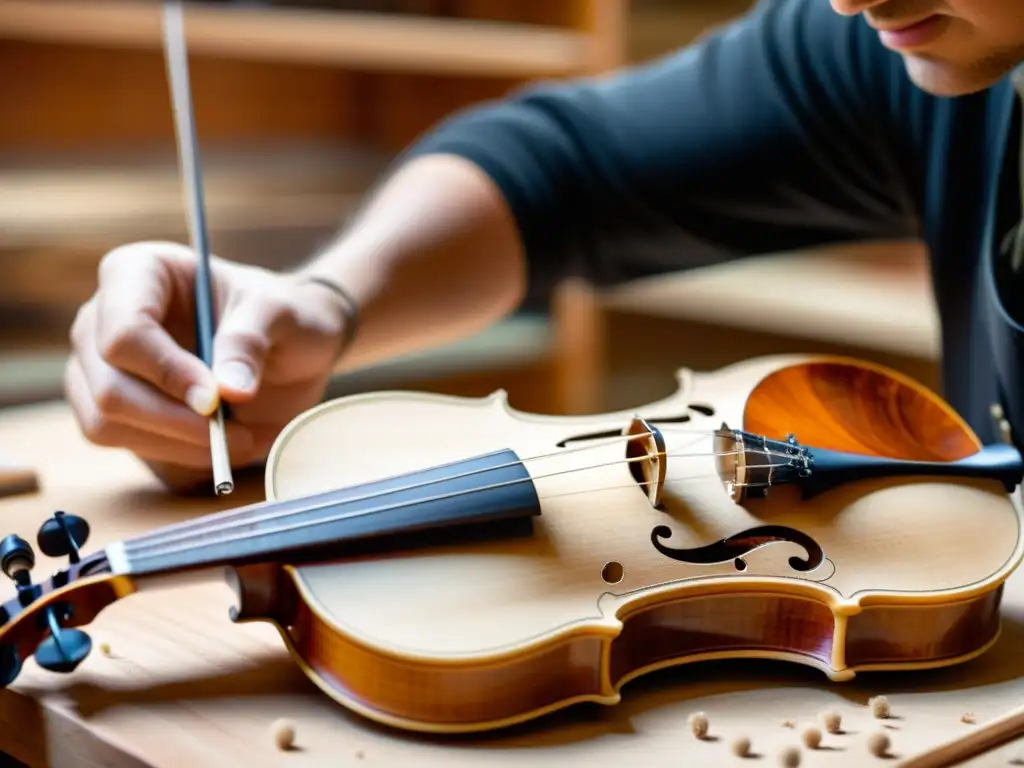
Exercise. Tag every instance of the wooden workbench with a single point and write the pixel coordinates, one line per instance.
(183, 686)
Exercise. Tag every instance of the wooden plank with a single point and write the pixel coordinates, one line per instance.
(57, 199)
(70, 97)
(371, 41)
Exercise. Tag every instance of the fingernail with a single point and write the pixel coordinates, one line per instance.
(201, 399)
(237, 376)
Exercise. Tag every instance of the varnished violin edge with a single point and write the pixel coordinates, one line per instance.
(593, 664)
(713, 587)
(837, 640)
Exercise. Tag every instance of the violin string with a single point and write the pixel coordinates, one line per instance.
(218, 523)
(670, 482)
(137, 557)
(135, 546)
(245, 514)
(212, 520)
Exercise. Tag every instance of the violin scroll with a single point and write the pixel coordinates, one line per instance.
(42, 619)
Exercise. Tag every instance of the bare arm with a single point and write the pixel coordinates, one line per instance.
(427, 267)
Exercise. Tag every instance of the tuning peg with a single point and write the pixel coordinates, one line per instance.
(17, 560)
(64, 649)
(62, 535)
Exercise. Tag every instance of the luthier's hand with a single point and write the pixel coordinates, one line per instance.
(133, 383)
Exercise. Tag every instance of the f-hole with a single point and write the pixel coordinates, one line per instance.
(735, 546)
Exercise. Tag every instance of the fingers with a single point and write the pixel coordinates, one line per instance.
(131, 385)
(122, 416)
(136, 287)
(121, 397)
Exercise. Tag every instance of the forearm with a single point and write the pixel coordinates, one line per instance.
(434, 256)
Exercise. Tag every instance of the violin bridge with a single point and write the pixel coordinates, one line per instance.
(731, 462)
(645, 452)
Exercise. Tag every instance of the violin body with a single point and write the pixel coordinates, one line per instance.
(612, 580)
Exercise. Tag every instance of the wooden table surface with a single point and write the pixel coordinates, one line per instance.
(183, 686)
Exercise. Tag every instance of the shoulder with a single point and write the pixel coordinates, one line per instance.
(799, 56)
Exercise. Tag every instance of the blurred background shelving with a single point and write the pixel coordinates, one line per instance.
(300, 106)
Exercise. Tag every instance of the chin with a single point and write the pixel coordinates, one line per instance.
(941, 78)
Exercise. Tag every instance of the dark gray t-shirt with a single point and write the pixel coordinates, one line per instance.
(790, 128)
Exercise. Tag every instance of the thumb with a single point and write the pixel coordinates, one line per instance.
(240, 348)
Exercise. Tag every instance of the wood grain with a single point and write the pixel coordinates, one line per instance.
(858, 409)
(372, 41)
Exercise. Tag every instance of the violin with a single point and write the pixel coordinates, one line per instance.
(446, 564)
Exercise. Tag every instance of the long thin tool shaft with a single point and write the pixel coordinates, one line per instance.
(176, 57)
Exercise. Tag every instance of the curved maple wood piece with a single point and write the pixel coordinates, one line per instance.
(449, 638)
(843, 405)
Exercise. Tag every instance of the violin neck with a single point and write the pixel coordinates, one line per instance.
(477, 496)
